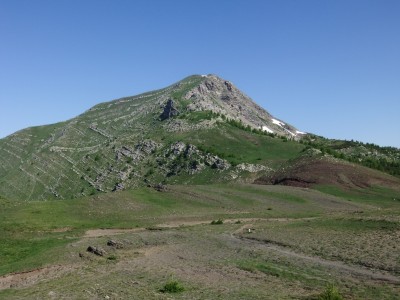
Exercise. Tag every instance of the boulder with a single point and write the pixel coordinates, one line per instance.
(115, 244)
(96, 250)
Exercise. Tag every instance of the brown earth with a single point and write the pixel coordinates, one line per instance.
(310, 171)
(22, 279)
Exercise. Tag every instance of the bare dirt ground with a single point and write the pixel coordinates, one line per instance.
(211, 261)
(307, 172)
(339, 266)
(93, 233)
(23, 279)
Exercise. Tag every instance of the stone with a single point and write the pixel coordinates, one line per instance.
(118, 187)
(115, 244)
(160, 187)
(96, 250)
(228, 85)
(169, 111)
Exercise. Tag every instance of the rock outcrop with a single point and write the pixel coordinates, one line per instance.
(221, 96)
(169, 111)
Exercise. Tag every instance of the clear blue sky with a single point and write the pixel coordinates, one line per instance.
(327, 67)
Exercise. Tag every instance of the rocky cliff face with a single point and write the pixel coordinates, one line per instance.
(221, 96)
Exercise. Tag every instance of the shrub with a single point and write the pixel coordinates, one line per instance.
(217, 222)
(172, 287)
(331, 293)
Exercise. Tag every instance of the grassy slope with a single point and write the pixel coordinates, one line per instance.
(39, 233)
(29, 229)
(386, 159)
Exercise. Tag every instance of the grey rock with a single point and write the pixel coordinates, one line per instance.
(96, 250)
(115, 244)
(169, 111)
(251, 167)
(119, 187)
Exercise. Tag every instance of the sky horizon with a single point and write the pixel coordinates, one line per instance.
(328, 68)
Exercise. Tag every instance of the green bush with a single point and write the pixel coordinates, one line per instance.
(217, 222)
(172, 287)
(331, 293)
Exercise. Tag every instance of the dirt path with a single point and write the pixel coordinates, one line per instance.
(94, 233)
(336, 265)
(31, 277)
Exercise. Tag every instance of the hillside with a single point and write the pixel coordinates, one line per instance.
(164, 135)
(199, 130)
(313, 170)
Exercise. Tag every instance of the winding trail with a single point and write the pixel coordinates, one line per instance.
(335, 265)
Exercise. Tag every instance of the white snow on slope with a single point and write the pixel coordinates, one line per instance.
(288, 131)
(300, 132)
(265, 128)
(277, 122)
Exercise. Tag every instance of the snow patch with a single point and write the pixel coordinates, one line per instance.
(277, 122)
(300, 132)
(203, 75)
(265, 128)
(288, 131)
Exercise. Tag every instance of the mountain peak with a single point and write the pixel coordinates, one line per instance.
(222, 96)
(135, 140)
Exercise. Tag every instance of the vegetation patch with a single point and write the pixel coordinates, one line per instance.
(172, 287)
(330, 293)
(217, 222)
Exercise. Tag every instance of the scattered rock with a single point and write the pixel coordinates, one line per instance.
(118, 187)
(96, 250)
(210, 85)
(251, 167)
(160, 187)
(220, 164)
(52, 294)
(115, 244)
(147, 146)
(228, 85)
(177, 148)
(225, 98)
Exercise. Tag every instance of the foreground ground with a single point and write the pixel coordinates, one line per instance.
(275, 243)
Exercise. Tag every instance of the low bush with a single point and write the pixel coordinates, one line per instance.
(172, 287)
(217, 222)
(331, 293)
